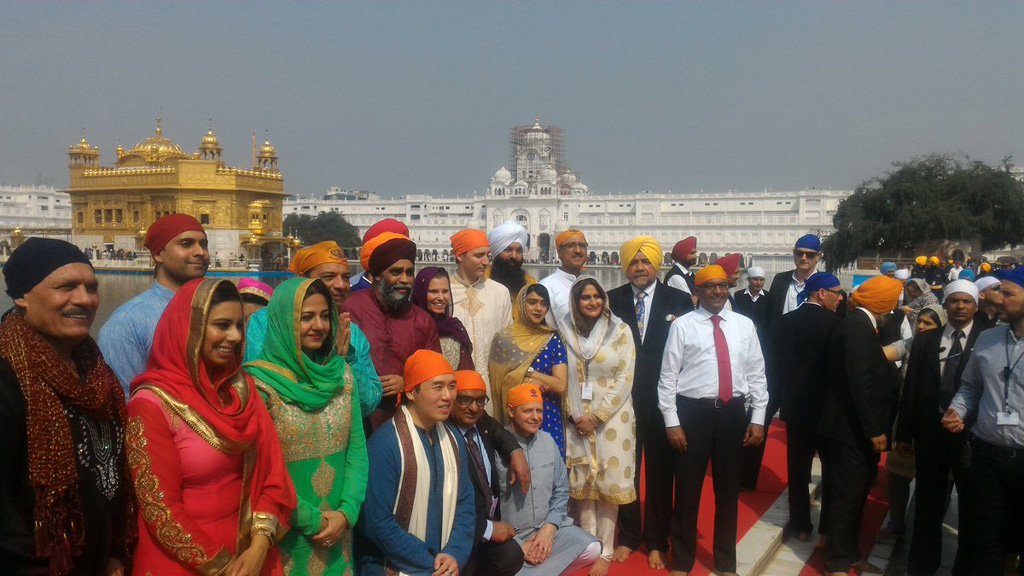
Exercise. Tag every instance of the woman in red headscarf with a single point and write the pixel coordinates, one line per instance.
(214, 495)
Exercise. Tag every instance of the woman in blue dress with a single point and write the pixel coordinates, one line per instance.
(531, 351)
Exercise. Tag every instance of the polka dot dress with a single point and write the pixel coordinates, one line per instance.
(552, 355)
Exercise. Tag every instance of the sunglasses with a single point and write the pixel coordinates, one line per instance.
(802, 254)
(465, 401)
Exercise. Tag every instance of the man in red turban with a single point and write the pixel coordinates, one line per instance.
(393, 327)
(178, 245)
(684, 254)
(362, 280)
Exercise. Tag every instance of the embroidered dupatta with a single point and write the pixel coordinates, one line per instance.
(177, 374)
(513, 351)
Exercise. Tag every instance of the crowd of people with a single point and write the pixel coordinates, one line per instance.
(483, 422)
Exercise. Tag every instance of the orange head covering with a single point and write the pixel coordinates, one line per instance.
(424, 365)
(469, 380)
(878, 295)
(523, 393)
(469, 239)
(315, 255)
(730, 263)
(385, 225)
(708, 273)
(370, 245)
(564, 236)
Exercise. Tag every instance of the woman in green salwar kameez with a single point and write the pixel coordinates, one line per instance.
(309, 391)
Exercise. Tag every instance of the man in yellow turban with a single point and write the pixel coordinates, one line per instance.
(484, 306)
(572, 254)
(855, 416)
(648, 306)
(419, 488)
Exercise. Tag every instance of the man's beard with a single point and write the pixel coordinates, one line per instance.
(509, 273)
(390, 299)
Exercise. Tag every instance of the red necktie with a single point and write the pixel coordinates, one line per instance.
(724, 366)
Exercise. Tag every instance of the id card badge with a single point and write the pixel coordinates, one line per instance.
(588, 391)
(1007, 418)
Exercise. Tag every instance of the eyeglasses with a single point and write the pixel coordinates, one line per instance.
(575, 245)
(802, 254)
(465, 401)
(712, 287)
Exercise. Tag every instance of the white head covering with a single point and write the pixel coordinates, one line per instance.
(755, 272)
(902, 275)
(986, 282)
(505, 235)
(965, 286)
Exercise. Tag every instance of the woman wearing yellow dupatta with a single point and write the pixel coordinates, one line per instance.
(530, 351)
(309, 390)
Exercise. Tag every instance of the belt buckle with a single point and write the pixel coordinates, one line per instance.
(719, 403)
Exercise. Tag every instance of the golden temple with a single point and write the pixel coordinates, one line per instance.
(112, 206)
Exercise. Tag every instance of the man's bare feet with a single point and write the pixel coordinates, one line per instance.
(866, 567)
(621, 553)
(803, 536)
(656, 560)
(600, 567)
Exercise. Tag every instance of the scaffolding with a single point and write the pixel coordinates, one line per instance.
(525, 137)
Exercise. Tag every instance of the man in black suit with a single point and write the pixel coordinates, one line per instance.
(855, 416)
(496, 552)
(650, 323)
(937, 360)
(800, 340)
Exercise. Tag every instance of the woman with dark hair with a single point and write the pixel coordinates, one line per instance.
(311, 395)
(255, 296)
(214, 495)
(602, 452)
(432, 292)
(530, 351)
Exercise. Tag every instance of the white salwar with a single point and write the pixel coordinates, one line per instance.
(484, 308)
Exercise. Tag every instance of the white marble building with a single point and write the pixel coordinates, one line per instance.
(546, 197)
(32, 207)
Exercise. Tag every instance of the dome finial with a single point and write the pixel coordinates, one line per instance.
(159, 130)
(536, 119)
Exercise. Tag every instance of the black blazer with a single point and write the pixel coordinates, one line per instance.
(756, 311)
(919, 406)
(799, 368)
(777, 298)
(857, 395)
(667, 304)
(497, 441)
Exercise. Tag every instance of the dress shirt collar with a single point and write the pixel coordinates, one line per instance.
(682, 268)
(871, 317)
(797, 281)
(752, 297)
(458, 278)
(812, 303)
(947, 332)
(724, 313)
(649, 291)
(564, 275)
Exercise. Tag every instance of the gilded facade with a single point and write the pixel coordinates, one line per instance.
(112, 206)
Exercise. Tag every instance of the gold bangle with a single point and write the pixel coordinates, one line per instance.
(265, 531)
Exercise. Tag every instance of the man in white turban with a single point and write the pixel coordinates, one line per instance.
(509, 243)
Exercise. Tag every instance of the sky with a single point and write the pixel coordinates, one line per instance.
(418, 97)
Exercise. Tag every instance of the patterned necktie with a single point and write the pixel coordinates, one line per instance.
(478, 466)
(724, 366)
(948, 385)
(641, 309)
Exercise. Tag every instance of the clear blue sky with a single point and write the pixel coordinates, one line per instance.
(418, 97)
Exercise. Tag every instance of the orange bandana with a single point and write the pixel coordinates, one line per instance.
(522, 394)
(708, 273)
(315, 255)
(424, 365)
(469, 239)
(469, 380)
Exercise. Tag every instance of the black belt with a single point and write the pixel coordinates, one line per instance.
(716, 402)
(982, 447)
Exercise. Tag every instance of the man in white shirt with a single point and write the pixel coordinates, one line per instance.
(481, 304)
(786, 285)
(684, 255)
(712, 363)
(572, 252)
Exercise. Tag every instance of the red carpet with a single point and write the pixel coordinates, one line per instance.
(752, 505)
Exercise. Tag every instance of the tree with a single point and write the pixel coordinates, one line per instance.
(925, 202)
(322, 227)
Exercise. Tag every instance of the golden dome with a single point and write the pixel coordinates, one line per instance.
(210, 141)
(83, 146)
(267, 151)
(156, 148)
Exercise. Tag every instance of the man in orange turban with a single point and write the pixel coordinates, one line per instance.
(327, 262)
(496, 552)
(573, 254)
(855, 416)
(484, 306)
(418, 467)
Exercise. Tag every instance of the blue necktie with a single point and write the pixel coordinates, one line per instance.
(641, 308)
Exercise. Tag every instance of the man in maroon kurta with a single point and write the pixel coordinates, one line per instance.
(393, 326)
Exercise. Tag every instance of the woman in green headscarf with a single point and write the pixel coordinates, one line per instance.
(309, 391)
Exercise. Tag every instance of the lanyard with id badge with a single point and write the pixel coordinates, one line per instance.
(1007, 417)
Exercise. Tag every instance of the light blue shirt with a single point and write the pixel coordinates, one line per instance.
(127, 336)
(984, 392)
